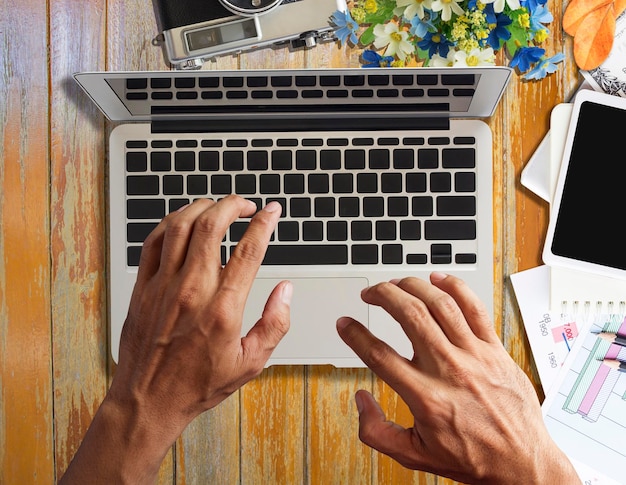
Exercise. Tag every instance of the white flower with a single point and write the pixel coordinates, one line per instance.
(446, 7)
(476, 57)
(411, 8)
(395, 39)
(498, 5)
(437, 61)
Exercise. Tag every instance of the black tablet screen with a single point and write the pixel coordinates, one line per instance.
(593, 205)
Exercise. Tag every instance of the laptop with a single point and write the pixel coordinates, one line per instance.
(382, 174)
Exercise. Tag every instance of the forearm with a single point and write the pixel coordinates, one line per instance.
(120, 446)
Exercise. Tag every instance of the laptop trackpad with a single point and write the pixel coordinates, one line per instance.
(316, 305)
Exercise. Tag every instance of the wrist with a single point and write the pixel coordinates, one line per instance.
(122, 445)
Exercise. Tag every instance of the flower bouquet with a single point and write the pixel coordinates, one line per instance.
(439, 33)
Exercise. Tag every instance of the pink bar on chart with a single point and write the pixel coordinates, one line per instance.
(594, 389)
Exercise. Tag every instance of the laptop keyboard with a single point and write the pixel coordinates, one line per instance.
(348, 199)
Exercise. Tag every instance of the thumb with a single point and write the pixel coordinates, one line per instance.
(268, 331)
(376, 431)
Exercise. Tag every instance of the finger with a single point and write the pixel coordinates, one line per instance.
(386, 436)
(412, 314)
(382, 359)
(151, 251)
(473, 309)
(243, 265)
(266, 334)
(178, 229)
(204, 254)
(443, 308)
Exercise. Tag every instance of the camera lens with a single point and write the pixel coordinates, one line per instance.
(250, 7)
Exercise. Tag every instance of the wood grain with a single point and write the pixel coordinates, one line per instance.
(293, 424)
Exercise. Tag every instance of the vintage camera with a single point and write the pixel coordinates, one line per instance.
(195, 31)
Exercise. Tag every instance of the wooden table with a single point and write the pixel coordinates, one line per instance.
(293, 424)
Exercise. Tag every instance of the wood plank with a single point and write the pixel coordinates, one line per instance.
(78, 228)
(26, 428)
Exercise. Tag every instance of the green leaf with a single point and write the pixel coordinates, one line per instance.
(367, 37)
(519, 38)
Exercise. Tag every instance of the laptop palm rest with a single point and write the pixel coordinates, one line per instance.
(316, 343)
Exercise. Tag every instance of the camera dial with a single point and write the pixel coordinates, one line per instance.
(250, 7)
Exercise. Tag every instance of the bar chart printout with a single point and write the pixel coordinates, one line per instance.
(585, 411)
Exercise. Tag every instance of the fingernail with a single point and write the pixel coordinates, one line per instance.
(437, 276)
(180, 209)
(287, 293)
(273, 207)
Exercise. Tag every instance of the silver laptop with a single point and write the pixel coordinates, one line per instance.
(381, 174)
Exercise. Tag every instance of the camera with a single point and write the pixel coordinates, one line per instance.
(194, 31)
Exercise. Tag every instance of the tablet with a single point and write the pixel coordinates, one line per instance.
(589, 204)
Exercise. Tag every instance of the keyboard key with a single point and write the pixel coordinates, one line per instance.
(398, 206)
(269, 183)
(428, 158)
(137, 232)
(355, 159)
(456, 206)
(391, 183)
(410, 230)
(367, 183)
(281, 160)
(142, 185)
(441, 253)
(385, 230)
(324, 207)
(173, 185)
(233, 161)
(221, 185)
(133, 254)
(237, 230)
(415, 183)
(185, 161)
(364, 254)
(379, 159)
(306, 160)
(294, 183)
(392, 253)
(176, 204)
(305, 254)
(330, 159)
(349, 207)
(373, 206)
(416, 258)
(312, 231)
(245, 184)
(337, 231)
(257, 160)
(145, 208)
(318, 183)
(422, 206)
(450, 229)
(458, 158)
(361, 230)
(136, 162)
(198, 185)
(465, 181)
(343, 183)
(465, 258)
(209, 161)
(440, 182)
(282, 201)
(300, 207)
(403, 159)
(288, 231)
(160, 161)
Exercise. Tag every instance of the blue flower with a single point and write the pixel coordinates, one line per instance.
(545, 67)
(435, 43)
(346, 27)
(541, 15)
(420, 27)
(500, 31)
(525, 57)
(490, 14)
(531, 5)
(374, 59)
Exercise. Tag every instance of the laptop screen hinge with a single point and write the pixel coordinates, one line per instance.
(287, 125)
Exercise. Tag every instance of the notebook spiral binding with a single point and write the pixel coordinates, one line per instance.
(587, 308)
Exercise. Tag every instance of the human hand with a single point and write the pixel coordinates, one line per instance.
(477, 416)
(181, 350)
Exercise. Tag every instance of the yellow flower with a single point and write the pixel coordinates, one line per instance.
(358, 14)
(370, 6)
(541, 35)
(524, 20)
(397, 63)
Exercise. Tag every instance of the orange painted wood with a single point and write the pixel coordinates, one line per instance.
(26, 421)
(292, 425)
